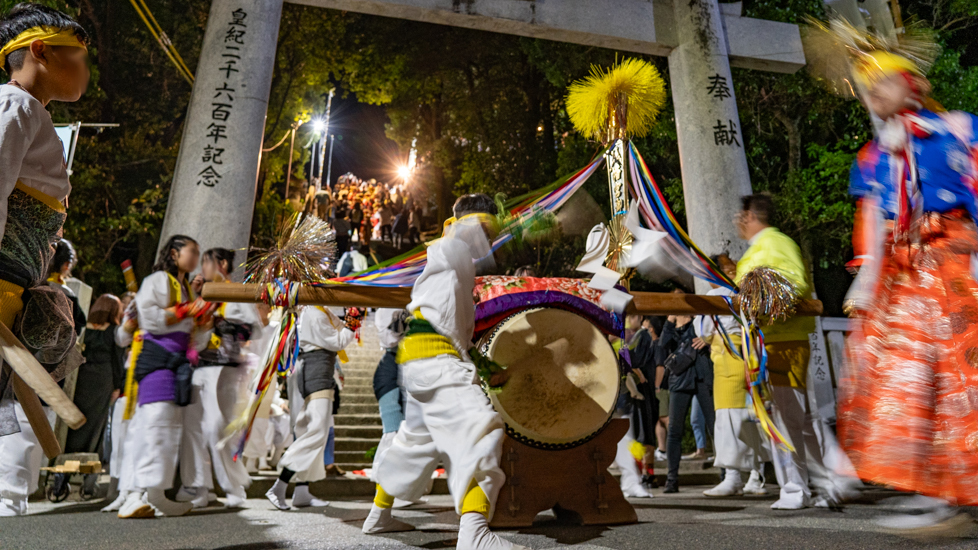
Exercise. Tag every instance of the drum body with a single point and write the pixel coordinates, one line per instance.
(564, 377)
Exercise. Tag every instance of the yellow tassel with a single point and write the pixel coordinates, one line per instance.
(591, 101)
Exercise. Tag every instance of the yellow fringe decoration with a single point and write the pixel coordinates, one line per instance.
(132, 387)
(632, 90)
(637, 450)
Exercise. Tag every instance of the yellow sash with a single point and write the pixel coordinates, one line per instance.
(424, 345)
(43, 198)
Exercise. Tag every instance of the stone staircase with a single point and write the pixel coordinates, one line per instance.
(357, 425)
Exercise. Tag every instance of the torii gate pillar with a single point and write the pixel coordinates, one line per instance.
(212, 197)
(711, 144)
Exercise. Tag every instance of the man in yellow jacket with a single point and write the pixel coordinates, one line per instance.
(787, 347)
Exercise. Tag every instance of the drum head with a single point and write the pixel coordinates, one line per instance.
(564, 380)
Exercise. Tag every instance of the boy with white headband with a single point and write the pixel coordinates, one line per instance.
(43, 51)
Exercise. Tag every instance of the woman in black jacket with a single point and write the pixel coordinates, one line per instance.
(100, 378)
(690, 372)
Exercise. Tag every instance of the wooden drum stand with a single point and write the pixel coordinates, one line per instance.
(574, 483)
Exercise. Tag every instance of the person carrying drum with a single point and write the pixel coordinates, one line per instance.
(446, 412)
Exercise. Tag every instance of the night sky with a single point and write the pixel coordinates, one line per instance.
(364, 148)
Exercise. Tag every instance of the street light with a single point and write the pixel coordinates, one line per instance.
(322, 143)
(404, 172)
(288, 174)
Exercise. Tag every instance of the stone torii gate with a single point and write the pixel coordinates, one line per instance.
(214, 185)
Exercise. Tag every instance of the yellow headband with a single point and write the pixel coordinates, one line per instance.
(52, 36)
(488, 221)
(873, 67)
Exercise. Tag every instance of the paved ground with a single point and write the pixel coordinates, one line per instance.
(686, 520)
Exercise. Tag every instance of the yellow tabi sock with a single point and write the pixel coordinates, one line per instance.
(382, 499)
(475, 500)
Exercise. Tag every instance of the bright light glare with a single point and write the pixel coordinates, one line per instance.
(318, 125)
(404, 172)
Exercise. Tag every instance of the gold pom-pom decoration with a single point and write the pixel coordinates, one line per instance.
(767, 295)
(618, 102)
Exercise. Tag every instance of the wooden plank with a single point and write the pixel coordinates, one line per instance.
(335, 295)
(38, 378)
(644, 303)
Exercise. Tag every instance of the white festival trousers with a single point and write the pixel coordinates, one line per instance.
(305, 455)
(21, 457)
(817, 453)
(159, 426)
(131, 446)
(120, 428)
(448, 419)
(212, 406)
(738, 441)
(631, 476)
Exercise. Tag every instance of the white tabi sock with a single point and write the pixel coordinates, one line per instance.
(302, 498)
(398, 503)
(474, 534)
(116, 504)
(277, 494)
(732, 485)
(380, 520)
(203, 498)
(165, 506)
(186, 494)
(236, 498)
(12, 507)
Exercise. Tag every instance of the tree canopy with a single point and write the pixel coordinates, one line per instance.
(485, 112)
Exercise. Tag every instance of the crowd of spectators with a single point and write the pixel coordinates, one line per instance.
(369, 210)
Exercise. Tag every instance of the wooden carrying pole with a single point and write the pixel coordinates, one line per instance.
(643, 303)
(32, 381)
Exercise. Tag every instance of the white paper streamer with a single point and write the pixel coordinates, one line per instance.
(603, 279)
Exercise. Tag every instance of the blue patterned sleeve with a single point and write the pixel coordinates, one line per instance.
(858, 186)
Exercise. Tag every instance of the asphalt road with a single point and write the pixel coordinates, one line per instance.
(686, 520)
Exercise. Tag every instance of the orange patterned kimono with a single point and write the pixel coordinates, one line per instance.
(908, 410)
